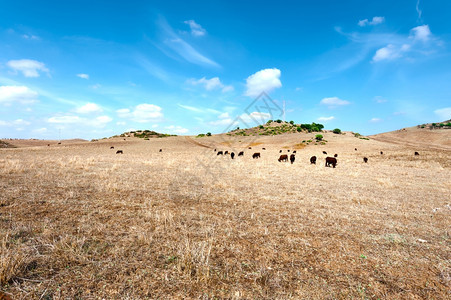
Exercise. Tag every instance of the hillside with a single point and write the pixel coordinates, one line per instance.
(425, 136)
(144, 134)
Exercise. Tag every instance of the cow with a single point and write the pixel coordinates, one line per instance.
(365, 159)
(280, 151)
(313, 160)
(161, 150)
(227, 152)
(324, 152)
(250, 147)
(241, 153)
(336, 155)
(48, 145)
(112, 147)
(256, 155)
(219, 153)
(59, 143)
(355, 149)
(292, 158)
(283, 157)
(232, 155)
(263, 148)
(215, 150)
(294, 151)
(382, 153)
(331, 161)
(416, 153)
(119, 152)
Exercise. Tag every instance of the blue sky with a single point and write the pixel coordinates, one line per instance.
(92, 69)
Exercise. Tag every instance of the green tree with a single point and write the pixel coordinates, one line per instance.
(336, 131)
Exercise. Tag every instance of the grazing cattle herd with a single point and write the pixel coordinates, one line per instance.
(330, 161)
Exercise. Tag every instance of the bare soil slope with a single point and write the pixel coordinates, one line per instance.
(418, 137)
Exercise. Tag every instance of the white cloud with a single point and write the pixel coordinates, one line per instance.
(40, 130)
(375, 120)
(417, 7)
(177, 129)
(18, 122)
(332, 102)
(142, 113)
(121, 123)
(443, 113)
(30, 37)
(19, 94)
(89, 108)
(255, 116)
(84, 76)
(265, 80)
(375, 21)
(100, 121)
(154, 125)
(196, 29)
(211, 84)
(421, 33)
(390, 52)
(325, 119)
(28, 67)
(65, 119)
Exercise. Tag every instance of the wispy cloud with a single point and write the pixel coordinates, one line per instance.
(84, 76)
(419, 12)
(181, 47)
(28, 67)
(196, 29)
(374, 21)
(142, 113)
(89, 108)
(333, 102)
(375, 120)
(17, 94)
(199, 109)
(326, 119)
(211, 84)
(421, 33)
(443, 113)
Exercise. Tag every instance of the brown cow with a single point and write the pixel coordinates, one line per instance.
(336, 155)
(292, 158)
(313, 160)
(241, 153)
(283, 157)
(119, 152)
(331, 161)
(416, 153)
(232, 155)
(256, 155)
(219, 153)
(365, 159)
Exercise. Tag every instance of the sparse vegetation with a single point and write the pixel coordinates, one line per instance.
(319, 137)
(336, 131)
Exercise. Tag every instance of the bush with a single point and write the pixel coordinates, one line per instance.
(292, 122)
(299, 129)
(441, 125)
(448, 124)
(208, 133)
(336, 131)
(261, 126)
(357, 134)
(319, 137)
(434, 124)
(279, 121)
(200, 135)
(269, 122)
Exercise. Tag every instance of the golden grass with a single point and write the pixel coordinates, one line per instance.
(83, 222)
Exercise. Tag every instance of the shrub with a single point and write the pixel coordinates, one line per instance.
(299, 129)
(208, 133)
(357, 134)
(448, 124)
(336, 131)
(261, 126)
(279, 121)
(434, 124)
(200, 135)
(292, 122)
(441, 125)
(269, 122)
(319, 137)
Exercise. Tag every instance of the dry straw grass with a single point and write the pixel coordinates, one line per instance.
(79, 221)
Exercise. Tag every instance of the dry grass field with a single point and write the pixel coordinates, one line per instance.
(78, 221)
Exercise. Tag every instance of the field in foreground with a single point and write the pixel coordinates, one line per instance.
(79, 221)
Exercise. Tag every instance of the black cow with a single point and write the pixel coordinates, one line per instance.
(355, 149)
(48, 145)
(292, 158)
(382, 153)
(313, 160)
(294, 151)
(256, 155)
(161, 150)
(263, 148)
(241, 153)
(215, 150)
(250, 147)
(119, 152)
(365, 159)
(232, 155)
(227, 152)
(324, 152)
(280, 151)
(219, 153)
(111, 147)
(416, 153)
(336, 155)
(331, 161)
(283, 157)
